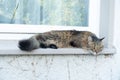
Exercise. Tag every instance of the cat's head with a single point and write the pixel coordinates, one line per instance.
(95, 44)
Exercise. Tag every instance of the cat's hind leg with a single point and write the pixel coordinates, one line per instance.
(53, 46)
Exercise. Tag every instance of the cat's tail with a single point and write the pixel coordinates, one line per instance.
(29, 44)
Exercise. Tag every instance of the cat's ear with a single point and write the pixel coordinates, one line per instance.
(102, 38)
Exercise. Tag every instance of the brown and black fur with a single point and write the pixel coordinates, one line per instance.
(63, 39)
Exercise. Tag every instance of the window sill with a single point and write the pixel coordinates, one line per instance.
(10, 47)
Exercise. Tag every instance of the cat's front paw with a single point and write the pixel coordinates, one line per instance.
(53, 46)
(95, 53)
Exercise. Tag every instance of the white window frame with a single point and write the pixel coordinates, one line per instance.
(106, 25)
(101, 22)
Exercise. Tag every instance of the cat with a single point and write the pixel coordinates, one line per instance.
(63, 39)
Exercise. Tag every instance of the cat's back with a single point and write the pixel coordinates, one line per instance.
(64, 35)
(69, 33)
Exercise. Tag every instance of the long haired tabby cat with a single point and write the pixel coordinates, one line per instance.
(63, 39)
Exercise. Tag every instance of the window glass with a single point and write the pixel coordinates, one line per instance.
(45, 12)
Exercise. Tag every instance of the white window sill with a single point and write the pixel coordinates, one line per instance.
(10, 47)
